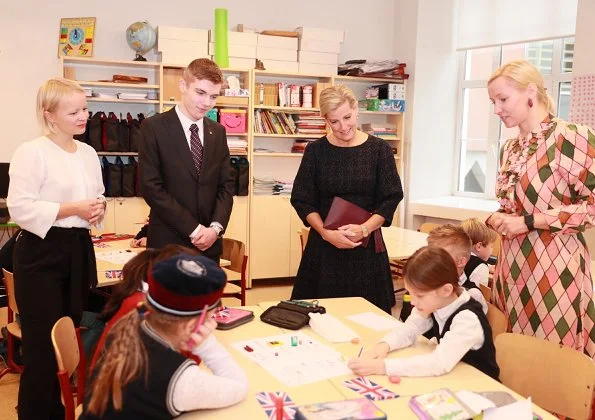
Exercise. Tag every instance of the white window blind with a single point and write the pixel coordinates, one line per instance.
(484, 23)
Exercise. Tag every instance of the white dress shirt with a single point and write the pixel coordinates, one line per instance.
(465, 334)
(475, 293)
(43, 175)
(481, 274)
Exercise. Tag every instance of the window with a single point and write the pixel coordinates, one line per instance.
(480, 133)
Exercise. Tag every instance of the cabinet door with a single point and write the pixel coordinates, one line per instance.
(130, 214)
(295, 244)
(269, 237)
(109, 225)
(237, 228)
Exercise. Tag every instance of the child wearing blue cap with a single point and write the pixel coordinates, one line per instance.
(142, 373)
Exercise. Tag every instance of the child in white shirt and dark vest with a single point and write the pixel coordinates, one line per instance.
(444, 312)
(482, 238)
(143, 374)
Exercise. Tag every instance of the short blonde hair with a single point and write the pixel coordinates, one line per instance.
(522, 73)
(333, 97)
(49, 96)
(452, 238)
(479, 232)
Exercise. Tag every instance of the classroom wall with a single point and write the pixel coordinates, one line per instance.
(29, 38)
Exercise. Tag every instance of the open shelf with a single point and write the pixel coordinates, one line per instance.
(290, 136)
(118, 85)
(275, 154)
(121, 63)
(128, 101)
(288, 109)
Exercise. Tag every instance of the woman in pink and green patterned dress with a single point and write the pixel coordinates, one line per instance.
(546, 189)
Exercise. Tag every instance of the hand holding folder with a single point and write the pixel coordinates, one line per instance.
(343, 212)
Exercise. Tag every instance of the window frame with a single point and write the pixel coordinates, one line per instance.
(552, 84)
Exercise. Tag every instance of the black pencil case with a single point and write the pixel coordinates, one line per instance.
(291, 315)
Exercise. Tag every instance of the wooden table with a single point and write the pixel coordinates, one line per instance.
(104, 267)
(462, 377)
(402, 243)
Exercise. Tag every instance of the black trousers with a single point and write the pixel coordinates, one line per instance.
(52, 280)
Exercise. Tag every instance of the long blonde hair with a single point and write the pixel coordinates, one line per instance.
(126, 357)
(333, 97)
(49, 96)
(522, 73)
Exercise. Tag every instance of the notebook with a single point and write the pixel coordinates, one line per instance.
(356, 409)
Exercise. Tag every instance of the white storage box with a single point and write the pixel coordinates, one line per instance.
(318, 69)
(280, 54)
(277, 42)
(182, 45)
(319, 46)
(237, 38)
(242, 51)
(318, 58)
(241, 63)
(322, 34)
(281, 66)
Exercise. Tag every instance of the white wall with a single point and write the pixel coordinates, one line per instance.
(433, 111)
(29, 38)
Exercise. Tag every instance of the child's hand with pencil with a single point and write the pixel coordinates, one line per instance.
(379, 351)
(200, 330)
(364, 366)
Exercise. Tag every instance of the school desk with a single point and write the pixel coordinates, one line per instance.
(462, 377)
(104, 268)
(402, 243)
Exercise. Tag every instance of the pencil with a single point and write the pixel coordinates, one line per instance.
(191, 342)
(360, 351)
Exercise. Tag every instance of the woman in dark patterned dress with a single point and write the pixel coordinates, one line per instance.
(360, 169)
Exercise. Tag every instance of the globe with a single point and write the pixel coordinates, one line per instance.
(141, 37)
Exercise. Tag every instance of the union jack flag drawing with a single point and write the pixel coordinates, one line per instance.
(369, 389)
(113, 274)
(268, 402)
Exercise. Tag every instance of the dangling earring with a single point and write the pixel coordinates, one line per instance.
(530, 103)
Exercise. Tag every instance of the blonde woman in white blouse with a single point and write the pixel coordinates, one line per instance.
(55, 195)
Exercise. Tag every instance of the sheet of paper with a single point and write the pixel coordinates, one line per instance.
(375, 321)
(331, 328)
(306, 362)
(520, 410)
(475, 402)
(119, 256)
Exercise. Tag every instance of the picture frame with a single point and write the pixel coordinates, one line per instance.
(76, 37)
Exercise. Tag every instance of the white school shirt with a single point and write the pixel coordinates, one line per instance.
(474, 293)
(481, 274)
(197, 388)
(43, 175)
(465, 334)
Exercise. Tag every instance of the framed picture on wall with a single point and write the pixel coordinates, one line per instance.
(77, 37)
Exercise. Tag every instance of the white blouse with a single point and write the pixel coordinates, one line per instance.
(43, 175)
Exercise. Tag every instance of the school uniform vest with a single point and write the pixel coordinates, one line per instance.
(150, 397)
(472, 264)
(483, 358)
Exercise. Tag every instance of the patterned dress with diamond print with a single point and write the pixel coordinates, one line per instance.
(543, 278)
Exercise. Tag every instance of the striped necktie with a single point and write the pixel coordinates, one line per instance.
(196, 147)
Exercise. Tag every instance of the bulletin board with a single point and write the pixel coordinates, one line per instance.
(77, 37)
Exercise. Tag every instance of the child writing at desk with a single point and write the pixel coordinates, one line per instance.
(442, 310)
(143, 373)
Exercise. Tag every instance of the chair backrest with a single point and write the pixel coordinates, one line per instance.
(9, 283)
(497, 319)
(557, 378)
(428, 227)
(496, 247)
(70, 357)
(234, 251)
(486, 292)
(304, 232)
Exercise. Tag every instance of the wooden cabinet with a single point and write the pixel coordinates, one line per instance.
(237, 228)
(130, 214)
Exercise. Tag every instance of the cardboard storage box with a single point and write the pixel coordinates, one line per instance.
(322, 34)
(318, 58)
(391, 91)
(182, 45)
(234, 120)
(318, 69)
(277, 42)
(319, 46)
(240, 51)
(281, 66)
(279, 54)
(236, 38)
(386, 105)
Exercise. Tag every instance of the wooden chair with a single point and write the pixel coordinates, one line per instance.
(428, 227)
(486, 292)
(498, 320)
(304, 232)
(14, 329)
(235, 252)
(557, 378)
(70, 356)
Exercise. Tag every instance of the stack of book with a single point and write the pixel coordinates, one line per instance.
(237, 147)
(310, 123)
(387, 132)
(299, 145)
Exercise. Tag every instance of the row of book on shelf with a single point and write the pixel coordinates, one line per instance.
(271, 186)
(277, 122)
(284, 94)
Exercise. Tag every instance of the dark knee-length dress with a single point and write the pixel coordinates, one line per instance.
(365, 175)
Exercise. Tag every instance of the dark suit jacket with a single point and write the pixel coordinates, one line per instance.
(178, 197)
